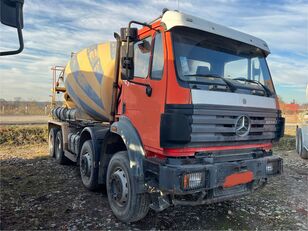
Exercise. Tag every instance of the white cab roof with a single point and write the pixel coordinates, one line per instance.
(173, 18)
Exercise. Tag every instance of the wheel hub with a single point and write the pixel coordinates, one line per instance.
(86, 164)
(119, 189)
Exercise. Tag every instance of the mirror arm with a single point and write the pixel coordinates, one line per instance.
(142, 24)
(21, 45)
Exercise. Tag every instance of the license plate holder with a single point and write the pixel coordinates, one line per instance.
(238, 178)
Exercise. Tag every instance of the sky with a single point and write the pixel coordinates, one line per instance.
(55, 28)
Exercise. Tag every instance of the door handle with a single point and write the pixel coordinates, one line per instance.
(148, 90)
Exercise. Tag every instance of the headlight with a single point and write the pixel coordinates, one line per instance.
(193, 180)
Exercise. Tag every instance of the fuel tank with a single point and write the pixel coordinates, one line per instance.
(89, 77)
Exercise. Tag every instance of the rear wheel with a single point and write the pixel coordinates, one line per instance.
(51, 141)
(126, 204)
(59, 151)
(88, 172)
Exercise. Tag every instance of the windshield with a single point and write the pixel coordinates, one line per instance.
(203, 58)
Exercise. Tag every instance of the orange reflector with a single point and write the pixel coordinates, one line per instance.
(238, 178)
(186, 181)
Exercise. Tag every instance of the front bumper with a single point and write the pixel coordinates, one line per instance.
(219, 180)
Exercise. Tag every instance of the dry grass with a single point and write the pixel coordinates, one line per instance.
(290, 130)
(21, 135)
(26, 152)
(286, 143)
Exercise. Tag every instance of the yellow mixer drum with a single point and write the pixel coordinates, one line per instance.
(89, 78)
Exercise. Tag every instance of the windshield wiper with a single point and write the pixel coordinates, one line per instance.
(229, 84)
(266, 90)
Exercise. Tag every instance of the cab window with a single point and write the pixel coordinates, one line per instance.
(236, 69)
(142, 52)
(158, 57)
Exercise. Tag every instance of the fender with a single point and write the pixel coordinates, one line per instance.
(97, 135)
(136, 153)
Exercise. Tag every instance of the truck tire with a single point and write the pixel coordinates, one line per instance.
(88, 172)
(297, 141)
(125, 203)
(59, 152)
(304, 154)
(51, 141)
(301, 149)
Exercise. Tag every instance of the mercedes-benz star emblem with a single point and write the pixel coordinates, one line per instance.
(242, 125)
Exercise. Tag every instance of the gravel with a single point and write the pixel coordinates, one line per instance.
(37, 193)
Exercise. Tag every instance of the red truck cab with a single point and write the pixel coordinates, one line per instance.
(211, 117)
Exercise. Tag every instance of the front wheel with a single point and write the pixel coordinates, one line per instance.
(125, 203)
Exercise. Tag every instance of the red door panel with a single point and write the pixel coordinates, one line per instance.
(145, 111)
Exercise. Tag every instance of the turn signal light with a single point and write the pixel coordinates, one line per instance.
(193, 180)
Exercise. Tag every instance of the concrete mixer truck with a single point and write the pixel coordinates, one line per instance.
(181, 111)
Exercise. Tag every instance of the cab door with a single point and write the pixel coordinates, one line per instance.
(142, 106)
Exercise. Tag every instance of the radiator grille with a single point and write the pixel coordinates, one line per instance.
(219, 125)
(216, 125)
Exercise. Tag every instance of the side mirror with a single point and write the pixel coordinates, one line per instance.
(128, 37)
(127, 61)
(127, 68)
(11, 15)
(130, 33)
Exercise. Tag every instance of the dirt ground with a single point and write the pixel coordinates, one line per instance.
(23, 119)
(37, 193)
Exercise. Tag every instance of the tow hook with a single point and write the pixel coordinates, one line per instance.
(159, 202)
